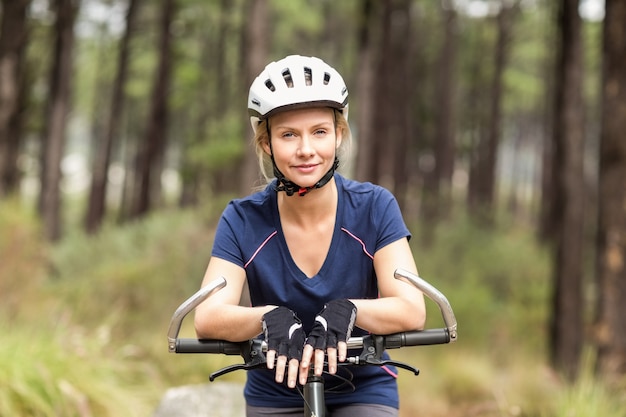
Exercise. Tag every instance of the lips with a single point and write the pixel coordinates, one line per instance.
(306, 168)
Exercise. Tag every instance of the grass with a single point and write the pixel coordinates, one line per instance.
(85, 322)
(62, 371)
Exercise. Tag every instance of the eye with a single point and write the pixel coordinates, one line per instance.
(287, 135)
(320, 132)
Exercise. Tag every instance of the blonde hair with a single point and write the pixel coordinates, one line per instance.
(261, 137)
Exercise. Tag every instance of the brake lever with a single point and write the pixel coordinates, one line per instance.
(254, 358)
(378, 362)
(237, 367)
(371, 354)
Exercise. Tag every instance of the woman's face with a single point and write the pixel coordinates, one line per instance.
(304, 143)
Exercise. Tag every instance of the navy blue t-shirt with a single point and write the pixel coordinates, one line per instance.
(250, 235)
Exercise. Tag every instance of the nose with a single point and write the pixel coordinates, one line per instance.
(306, 146)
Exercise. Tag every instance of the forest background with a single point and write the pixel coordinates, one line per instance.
(497, 124)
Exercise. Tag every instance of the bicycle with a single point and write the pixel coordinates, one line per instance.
(372, 346)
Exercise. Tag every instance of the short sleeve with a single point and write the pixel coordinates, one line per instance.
(226, 245)
(388, 217)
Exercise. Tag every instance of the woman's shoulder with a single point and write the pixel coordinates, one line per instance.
(259, 201)
(361, 190)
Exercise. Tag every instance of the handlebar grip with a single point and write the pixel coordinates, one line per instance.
(417, 338)
(208, 346)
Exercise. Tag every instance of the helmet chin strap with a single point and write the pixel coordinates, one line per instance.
(290, 187)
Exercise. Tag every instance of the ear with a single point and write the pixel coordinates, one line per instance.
(338, 137)
(266, 147)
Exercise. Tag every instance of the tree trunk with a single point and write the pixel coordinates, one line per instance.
(611, 238)
(13, 39)
(381, 154)
(58, 107)
(485, 191)
(192, 171)
(389, 147)
(445, 145)
(227, 178)
(257, 21)
(475, 115)
(437, 191)
(151, 152)
(102, 158)
(566, 331)
(402, 41)
(545, 227)
(364, 137)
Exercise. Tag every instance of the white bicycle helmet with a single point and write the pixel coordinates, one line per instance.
(296, 82)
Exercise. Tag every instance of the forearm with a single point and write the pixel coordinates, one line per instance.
(389, 315)
(229, 322)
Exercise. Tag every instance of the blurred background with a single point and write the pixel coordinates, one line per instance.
(498, 125)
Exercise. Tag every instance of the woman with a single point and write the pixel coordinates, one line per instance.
(316, 250)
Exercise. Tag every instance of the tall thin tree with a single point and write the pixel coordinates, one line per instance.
(445, 141)
(566, 334)
(254, 53)
(437, 190)
(483, 180)
(151, 152)
(381, 152)
(611, 235)
(102, 158)
(365, 86)
(58, 107)
(13, 38)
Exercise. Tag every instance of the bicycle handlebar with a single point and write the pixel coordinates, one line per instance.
(393, 341)
(435, 295)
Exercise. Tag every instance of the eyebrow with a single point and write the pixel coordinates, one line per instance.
(316, 125)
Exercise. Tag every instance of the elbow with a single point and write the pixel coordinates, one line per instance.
(200, 327)
(205, 328)
(420, 320)
(417, 319)
(412, 318)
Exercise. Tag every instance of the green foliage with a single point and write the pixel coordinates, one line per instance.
(497, 281)
(51, 371)
(21, 257)
(296, 20)
(588, 397)
(88, 331)
(498, 278)
(135, 274)
(529, 63)
(222, 146)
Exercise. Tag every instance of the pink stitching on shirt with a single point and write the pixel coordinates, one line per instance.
(260, 247)
(389, 371)
(360, 241)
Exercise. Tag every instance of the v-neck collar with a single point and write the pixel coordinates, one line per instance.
(330, 255)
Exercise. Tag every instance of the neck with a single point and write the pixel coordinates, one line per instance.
(319, 203)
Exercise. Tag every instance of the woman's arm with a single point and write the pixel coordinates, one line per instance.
(401, 306)
(220, 316)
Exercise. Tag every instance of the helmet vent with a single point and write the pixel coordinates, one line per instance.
(326, 78)
(288, 79)
(308, 76)
(270, 85)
